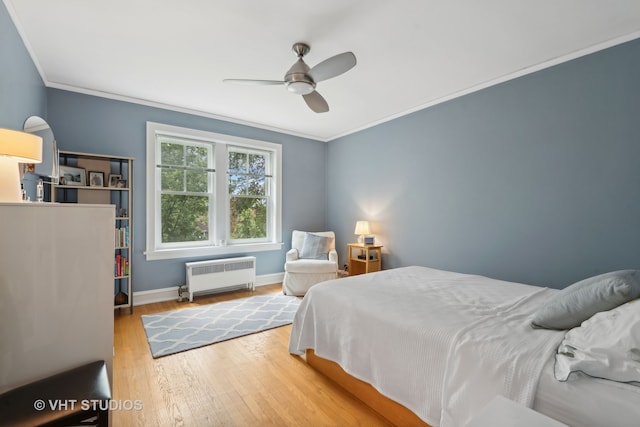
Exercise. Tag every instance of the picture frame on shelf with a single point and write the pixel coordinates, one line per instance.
(122, 183)
(71, 175)
(96, 179)
(113, 180)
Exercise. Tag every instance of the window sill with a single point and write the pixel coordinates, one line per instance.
(211, 251)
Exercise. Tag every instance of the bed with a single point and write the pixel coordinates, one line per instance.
(444, 344)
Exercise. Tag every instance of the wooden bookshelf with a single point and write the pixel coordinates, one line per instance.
(101, 179)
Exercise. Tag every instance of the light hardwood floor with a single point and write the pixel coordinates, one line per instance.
(247, 381)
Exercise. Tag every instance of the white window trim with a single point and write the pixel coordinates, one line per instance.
(275, 243)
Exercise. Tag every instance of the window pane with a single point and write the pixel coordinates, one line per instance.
(172, 180)
(247, 185)
(248, 217)
(257, 164)
(184, 218)
(237, 162)
(197, 182)
(236, 185)
(196, 157)
(256, 186)
(171, 154)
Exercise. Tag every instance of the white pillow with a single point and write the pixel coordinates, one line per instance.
(605, 346)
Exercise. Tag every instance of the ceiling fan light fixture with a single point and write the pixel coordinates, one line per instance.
(300, 88)
(301, 80)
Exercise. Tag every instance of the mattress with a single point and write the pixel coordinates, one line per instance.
(585, 401)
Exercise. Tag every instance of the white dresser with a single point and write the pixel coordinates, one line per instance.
(56, 289)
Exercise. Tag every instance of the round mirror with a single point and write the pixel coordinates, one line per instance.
(49, 165)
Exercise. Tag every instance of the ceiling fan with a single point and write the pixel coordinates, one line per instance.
(302, 80)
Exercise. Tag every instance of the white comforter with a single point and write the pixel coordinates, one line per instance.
(442, 344)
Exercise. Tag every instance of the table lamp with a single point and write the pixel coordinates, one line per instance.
(362, 228)
(16, 147)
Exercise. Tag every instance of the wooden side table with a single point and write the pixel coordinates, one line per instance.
(364, 258)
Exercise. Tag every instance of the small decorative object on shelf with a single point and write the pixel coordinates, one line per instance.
(120, 299)
(96, 179)
(74, 188)
(113, 179)
(40, 191)
(72, 175)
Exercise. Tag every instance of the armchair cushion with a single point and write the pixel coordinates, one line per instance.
(315, 247)
(311, 266)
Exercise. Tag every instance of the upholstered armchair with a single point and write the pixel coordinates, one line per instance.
(311, 259)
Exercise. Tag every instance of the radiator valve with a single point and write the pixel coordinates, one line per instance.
(181, 291)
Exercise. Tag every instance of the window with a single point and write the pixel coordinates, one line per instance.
(186, 191)
(210, 194)
(249, 193)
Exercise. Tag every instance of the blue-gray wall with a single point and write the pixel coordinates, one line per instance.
(22, 92)
(534, 180)
(98, 125)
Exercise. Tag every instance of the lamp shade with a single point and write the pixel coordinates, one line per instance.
(16, 147)
(23, 147)
(362, 227)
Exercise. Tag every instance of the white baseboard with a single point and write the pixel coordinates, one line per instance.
(171, 293)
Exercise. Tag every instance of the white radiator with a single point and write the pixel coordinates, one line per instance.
(218, 274)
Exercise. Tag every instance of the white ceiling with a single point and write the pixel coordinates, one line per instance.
(411, 53)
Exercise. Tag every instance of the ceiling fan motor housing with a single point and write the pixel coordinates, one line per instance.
(298, 80)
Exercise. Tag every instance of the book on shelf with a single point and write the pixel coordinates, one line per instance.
(121, 266)
(122, 236)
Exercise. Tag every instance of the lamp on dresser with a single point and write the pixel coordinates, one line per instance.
(16, 147)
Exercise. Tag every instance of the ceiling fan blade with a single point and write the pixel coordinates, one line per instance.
(254, 82)
(316, 102)
(333, 66)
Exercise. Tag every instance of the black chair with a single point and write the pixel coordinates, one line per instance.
(79, 396)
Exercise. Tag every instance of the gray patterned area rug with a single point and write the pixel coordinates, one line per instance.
(188, 328)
